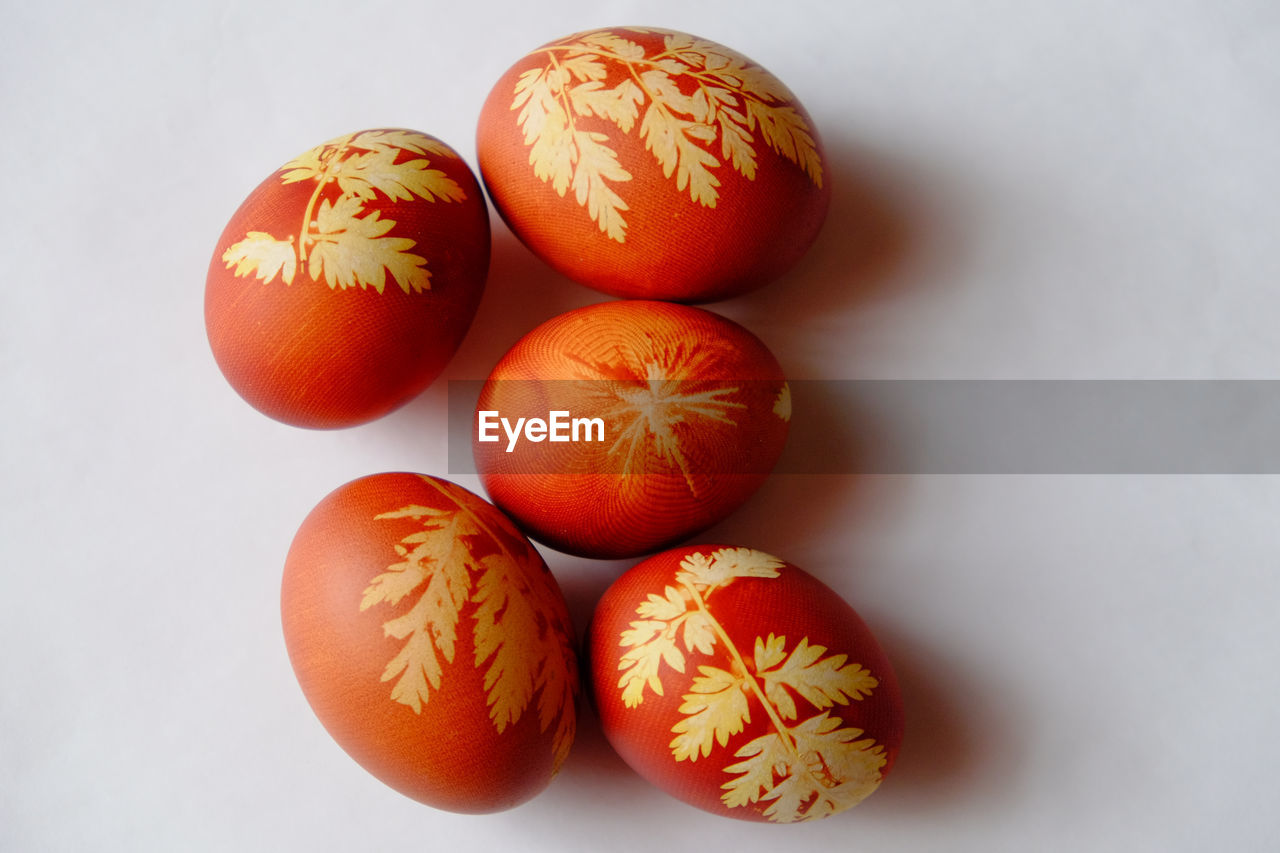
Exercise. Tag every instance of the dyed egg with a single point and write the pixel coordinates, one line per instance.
(431, 642)
(620, 428)
(653, 164)
(345, 282)
(743, 685)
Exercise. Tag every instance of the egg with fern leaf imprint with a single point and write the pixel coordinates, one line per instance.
(741, 684)
(345, 282)
(431, 642)
(653, 164)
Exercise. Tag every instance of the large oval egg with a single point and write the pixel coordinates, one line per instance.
(431, 641)
(743, 685)
(346, 281)
(620, 428)
(653, 164)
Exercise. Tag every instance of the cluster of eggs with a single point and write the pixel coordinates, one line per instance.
(425, 630)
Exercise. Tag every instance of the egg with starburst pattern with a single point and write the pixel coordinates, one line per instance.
(620, 428)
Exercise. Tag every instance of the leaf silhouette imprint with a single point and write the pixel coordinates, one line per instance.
(339, 240)
(805, 766)
(651, 397)
(696, 106)
(454, 562)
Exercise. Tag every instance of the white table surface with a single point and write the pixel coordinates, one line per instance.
(1029, 190)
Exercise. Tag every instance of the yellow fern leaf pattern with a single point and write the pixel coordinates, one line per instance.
(681, 614)
(821, 681)
(522, 654)
(505, 617)
(350, 251)
(649, 644)
(339, 240)
(262, 255)
(436, 562)
(647, 401)
(715, 708)
(812, 770)
(698, 106)
(802, 769)
(556, 684)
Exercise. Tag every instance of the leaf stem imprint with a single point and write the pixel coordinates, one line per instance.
(333, 154)
(748, 677)
(475, 519)
(655, 62)
(814, 767)
(341, 242)
(567, 106)
(732, 104)
(520, 637)
(547, 682)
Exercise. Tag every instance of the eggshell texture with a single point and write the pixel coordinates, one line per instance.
(346, 281)
(694, 412)
(653, 164)
(431, 642)
(743, 685)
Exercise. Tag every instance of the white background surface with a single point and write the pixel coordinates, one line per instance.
(1024, 190)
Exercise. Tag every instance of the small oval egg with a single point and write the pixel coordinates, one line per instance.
(346, 281)
(743, 685)
(431, 641)
(692, 413)
(653, 164)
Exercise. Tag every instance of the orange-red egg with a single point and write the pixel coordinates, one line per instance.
(743, 685)
(431, 641)
(669, 418)
(653, 164)
(345, 282)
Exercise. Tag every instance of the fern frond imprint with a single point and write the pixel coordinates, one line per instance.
(339, 241)
(698, 106)
(456, 559)
(803, 768)
(435, 560)
(262, 255)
